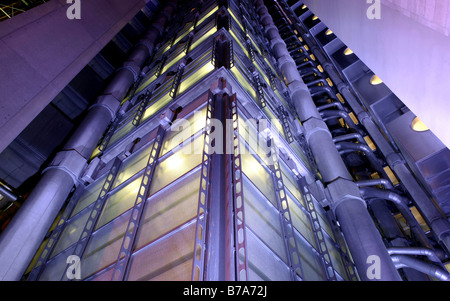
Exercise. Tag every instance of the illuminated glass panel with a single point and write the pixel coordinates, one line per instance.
(104, 245)
(259, 176)
(133, 165)
(170, 208)
(290, 182)
(184, 158)
(72, 231)
(206, 14)
(169, 258)
(300, 220)
(193, 75)
(336, 259)
(183, 129)
(203, 34)
(263, 264)
(311, 262)
(90, 195)
(120, 201)
(256, 143)
(244, 82)
(263, 219)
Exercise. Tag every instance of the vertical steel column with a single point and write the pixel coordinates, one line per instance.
(198, 265)
(363, 238)
(240, 241)
(129, 239)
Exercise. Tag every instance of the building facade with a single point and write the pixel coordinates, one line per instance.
(227, 152)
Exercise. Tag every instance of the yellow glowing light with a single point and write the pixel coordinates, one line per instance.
(208, 67)
(304, 6)
(156, 106)
(348, 51)
(244, 82)
(328, 32)
(375, 80)
(315, 18)
(418, 126)
(205, 36)
(235, 19)
(172, 62)
(145, 84)
(207, 15)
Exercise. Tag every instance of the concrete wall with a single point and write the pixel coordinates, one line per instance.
(408, 48)
(41, 50)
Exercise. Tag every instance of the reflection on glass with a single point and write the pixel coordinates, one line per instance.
(170, 208)
(262, 263)
(290, 182)
(90, 195)
(119, 202)
(181, 161)
(300, 220)
(311, 262)
(263, 219)
(183, 129)
(169, 258)
(54, 270)
(259, 176)
(133, 165)
(104, 246)
(72, 232)
(244, 82)
(194, 78)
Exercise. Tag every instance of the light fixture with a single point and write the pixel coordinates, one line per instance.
(304, 6)
(328, 32)
(348, 51)
(418, 126)
(375, 80)
(315, 18)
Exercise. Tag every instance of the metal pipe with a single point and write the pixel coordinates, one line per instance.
(344, 147)
(402, 261)
(428, 209)
(24, 234)
(330, 114)
(431, 254)
(402, 205)
(374, 182)
(361, 235)
(332, 104)
(349, 137)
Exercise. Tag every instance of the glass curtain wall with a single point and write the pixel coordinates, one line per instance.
(163, 244)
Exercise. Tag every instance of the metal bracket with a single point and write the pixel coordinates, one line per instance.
(94, 216)
(144, 100)
(129, 239)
